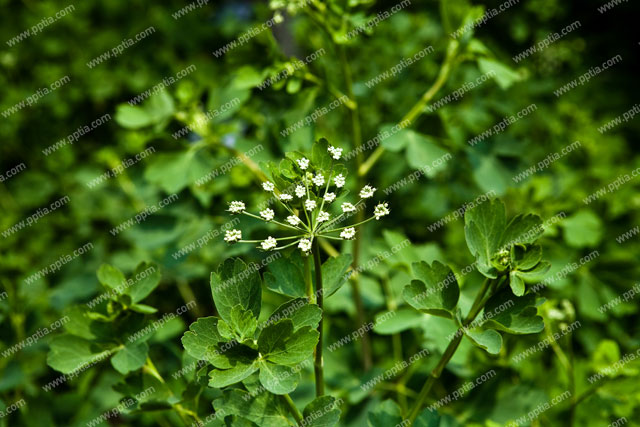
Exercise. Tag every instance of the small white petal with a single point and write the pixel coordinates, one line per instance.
(318, 180)
(304, 245)
(236, 207)
(323, 216)
(286, 197)
(303, 163)
(339, 181)
(267, 214)
(309, 204)
(367, 191)
(348, 233)
(232, 236)
(348, 207)
(269, 243)
(300, 191)
(381, 210)
(329, 197)
(268, 186)
(293, 220)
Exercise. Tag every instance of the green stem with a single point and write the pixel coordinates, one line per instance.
(307, 280)
(477, 305)
(292, 408)
(318, 368)
(418, 108)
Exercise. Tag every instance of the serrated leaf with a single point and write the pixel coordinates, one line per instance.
(334, 273)
(243, 324)
(278, 379)
(130, 358)
(522, 229)
(487, 339)
(201, 340)
(285, 276)
(263, 409)
(484, 226)
(435, 292)
(299, 311)
(279, 344)
(236, 284)
(238, 372)
(322, 412)
(515, 315)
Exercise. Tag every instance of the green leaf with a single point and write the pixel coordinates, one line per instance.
(278, 379)
(484, 225)
(334, 273)
(525, 258)
(487, 339)
(322, 411)
(148, 281)
(111, 277)
(236, 284)
(201, 339)
(320, 156)
(239, 371)
(435, 292)
(386, 414)
(143, 308)
(512, 314)
(130, 358)
(263, 409)
(279, 344)
(504, 75)
(582, 229)
(536, 274)
(421, 153)
(522, 229)
(243, 323)
(69, 353)
(285, 276)
(132, 117)
(516, 283)
(299, 311)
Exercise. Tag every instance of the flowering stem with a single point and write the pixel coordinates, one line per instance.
(348, 226)
(273, 221)
(307, 280)
(260, 241)
(318, 368)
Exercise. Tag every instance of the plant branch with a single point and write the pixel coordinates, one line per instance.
(477, 305)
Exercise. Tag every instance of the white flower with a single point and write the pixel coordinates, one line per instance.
(381, 210)
(268, 186)
(367, 191)
(286, 197)
(348, 233)
(335, 152)
(303, 163)
(339, 181)
(232, 236)
(310, 204)
(236, 207)
(269, 243)
(318, 179)
(348, 207)
(323, 216)
(293, 220)
(329, 197)
(300, 191)
(304, 245)
(267, 214)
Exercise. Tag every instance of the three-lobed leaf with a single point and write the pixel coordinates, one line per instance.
(435, 291)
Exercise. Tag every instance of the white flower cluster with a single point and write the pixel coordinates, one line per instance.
(306, 214)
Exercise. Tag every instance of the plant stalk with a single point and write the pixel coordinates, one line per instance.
(292, 408)
(477, 305)
(317, 365)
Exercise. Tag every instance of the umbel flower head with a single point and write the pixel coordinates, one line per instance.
(316, 181)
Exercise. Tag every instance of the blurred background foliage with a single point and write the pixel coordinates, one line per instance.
(65, 47)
